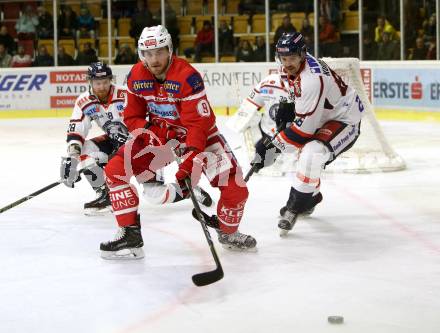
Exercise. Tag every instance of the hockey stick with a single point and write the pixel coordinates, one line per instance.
(205, 278)
(30, 196)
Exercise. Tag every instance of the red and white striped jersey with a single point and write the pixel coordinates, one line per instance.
(88, 108)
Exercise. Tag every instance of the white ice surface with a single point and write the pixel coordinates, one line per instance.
(370, 252)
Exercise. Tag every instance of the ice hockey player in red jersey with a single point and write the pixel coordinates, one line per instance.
(326, 122)
(103, 104)
(166, 101)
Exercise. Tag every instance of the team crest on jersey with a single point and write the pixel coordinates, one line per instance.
(172, 86)
(119, 106)
(196, 82)
(167, 111)
(313, 64)
(143, 85)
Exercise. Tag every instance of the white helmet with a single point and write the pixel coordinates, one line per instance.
(153, 38)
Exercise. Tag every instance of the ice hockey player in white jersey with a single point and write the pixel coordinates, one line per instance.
(327, 114)
(104, 104)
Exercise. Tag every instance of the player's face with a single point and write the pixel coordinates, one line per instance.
(157, 60)
(291, 63)
(101, 87)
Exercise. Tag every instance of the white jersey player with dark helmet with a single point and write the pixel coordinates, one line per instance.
(326, 115)
(103, 104)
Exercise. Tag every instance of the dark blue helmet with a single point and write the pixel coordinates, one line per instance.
(99, 70)
(290, 43)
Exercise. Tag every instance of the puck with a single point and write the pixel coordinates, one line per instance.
(335, 319)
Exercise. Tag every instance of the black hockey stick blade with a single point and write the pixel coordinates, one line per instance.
(203, 279)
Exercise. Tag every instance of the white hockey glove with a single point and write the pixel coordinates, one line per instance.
(68, 171)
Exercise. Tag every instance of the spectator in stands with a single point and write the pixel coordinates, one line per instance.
(43, 59)
(204, 42)
(45, 23)
(370, 47)
(85, 24)
(250, 7)
(67, 23)
(21, 59)
(387, 49)
(225, 39)
(244, 52)
(87, 55)
(286, 26)
(432, 49)
(430, 27)
(260, 49)
(5, 57)
(26, 25)
(331, 9)
(64, 59)
(328, 38)
(141, 18)
(6, 39)
(384, 26)
(309, 34)
(125, 56)
(420, 52)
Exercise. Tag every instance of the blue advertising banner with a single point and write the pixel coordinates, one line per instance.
(407, 88)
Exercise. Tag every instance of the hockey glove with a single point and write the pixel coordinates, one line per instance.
(190, 168)
(117, 132)
(284, 115)
(265, 154)
(68, 171)
(158, 135)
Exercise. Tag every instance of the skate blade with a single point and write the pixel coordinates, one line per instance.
(97, 212)
(239, 249)
(125, 254)
(283, 232)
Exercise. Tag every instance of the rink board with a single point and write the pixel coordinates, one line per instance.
(397, 90)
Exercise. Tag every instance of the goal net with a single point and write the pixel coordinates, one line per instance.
(371, 152)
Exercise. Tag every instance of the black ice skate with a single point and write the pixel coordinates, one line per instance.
(286, 222)
(234, 241)
(127, 244)
(309, 210)
(100, 205)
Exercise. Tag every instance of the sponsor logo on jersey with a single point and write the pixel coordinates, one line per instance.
(172, 86)
(297, 87)
(167, 111)
(23, 82)
(196, 82)
(119, 106)
(143, 85)
(314, 65)
(91, 110)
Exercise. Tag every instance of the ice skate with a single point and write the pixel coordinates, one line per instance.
(101, 205)
(127, 244)
(286, 222)
(309, 211)
(237, 241)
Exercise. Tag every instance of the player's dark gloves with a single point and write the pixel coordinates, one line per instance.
(284, 115)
